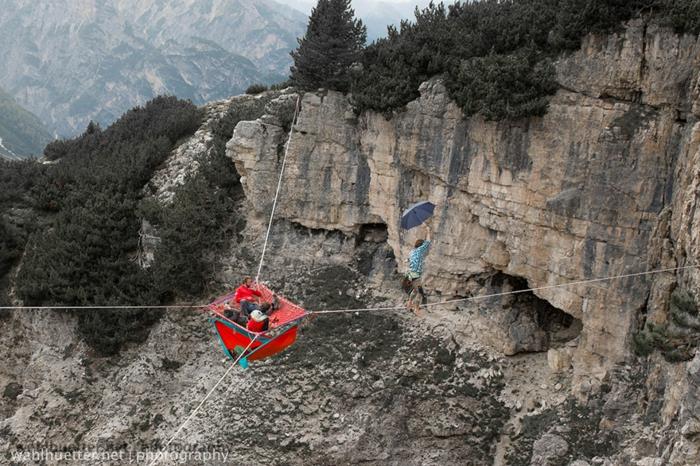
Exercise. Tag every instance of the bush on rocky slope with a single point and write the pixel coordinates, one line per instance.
(17, 181)
(80, 249)
(682, 15)
(504, 86)
(82, 253)
(255, 89)
(678, 339)
(201, 221)
(476, 43)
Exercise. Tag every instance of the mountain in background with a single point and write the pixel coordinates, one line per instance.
(22, 134)
(263, 31)
(75, 61)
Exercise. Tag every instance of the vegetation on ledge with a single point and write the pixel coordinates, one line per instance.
(678, 339)
(496, 55)
(77, 224)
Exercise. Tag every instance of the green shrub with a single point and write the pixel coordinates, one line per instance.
(82, 254)
(577, 18)
(678, 339)
(201, 221)
(255, 89)
(9, 249)
(682, 15)
(17, 219)
(504, 86)
(198, 223)
(107, 331)
(280, 86)
(391, 69)
(489, 36)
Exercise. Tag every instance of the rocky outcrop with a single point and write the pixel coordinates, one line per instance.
(578, 194)
(184, 161)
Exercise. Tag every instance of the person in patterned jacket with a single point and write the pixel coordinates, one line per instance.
(412, 279)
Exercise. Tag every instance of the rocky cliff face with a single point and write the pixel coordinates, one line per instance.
(578, 194)
(604, 184)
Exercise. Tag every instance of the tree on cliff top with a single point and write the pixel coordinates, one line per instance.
(332, 43)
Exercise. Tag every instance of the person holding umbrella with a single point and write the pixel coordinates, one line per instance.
(412, 280)
(416, 215)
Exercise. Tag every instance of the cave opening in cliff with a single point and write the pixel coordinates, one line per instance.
(527, 322)
(374, 255)
(373, 232)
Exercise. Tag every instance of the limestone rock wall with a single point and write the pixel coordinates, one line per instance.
(604, 184)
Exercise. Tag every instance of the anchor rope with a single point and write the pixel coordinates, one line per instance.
(277, 192)
(201, 403)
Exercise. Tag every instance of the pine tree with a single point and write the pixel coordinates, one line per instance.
(332, 43)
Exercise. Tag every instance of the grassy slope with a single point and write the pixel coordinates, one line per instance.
(21, 131)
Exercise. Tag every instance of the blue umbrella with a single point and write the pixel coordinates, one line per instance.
(417, 214)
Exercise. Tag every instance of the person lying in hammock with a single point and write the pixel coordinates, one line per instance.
(234, 315)
(412, 279)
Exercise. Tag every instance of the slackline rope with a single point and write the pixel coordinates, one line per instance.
(58, 308)
(279, 186)
(331, 311)
(494, 295)
(204, 400)
(228, 371)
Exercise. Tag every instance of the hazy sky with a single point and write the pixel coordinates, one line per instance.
(376, 14)
(364, 7)
(360, 6)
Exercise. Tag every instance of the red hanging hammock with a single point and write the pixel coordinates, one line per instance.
(234, 338)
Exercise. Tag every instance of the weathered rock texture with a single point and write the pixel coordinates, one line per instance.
(575, 195)
(370, 389)
(209, 140)
(606, 183)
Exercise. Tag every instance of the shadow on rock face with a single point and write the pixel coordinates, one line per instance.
(519, 322)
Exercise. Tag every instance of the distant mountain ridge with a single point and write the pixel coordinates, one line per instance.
(76, 61)
(22, 134)
(261, 30)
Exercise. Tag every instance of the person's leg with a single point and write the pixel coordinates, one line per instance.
(407, 286)
(416, 297)
(410, 293)
(413, 304)
(247, 307)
